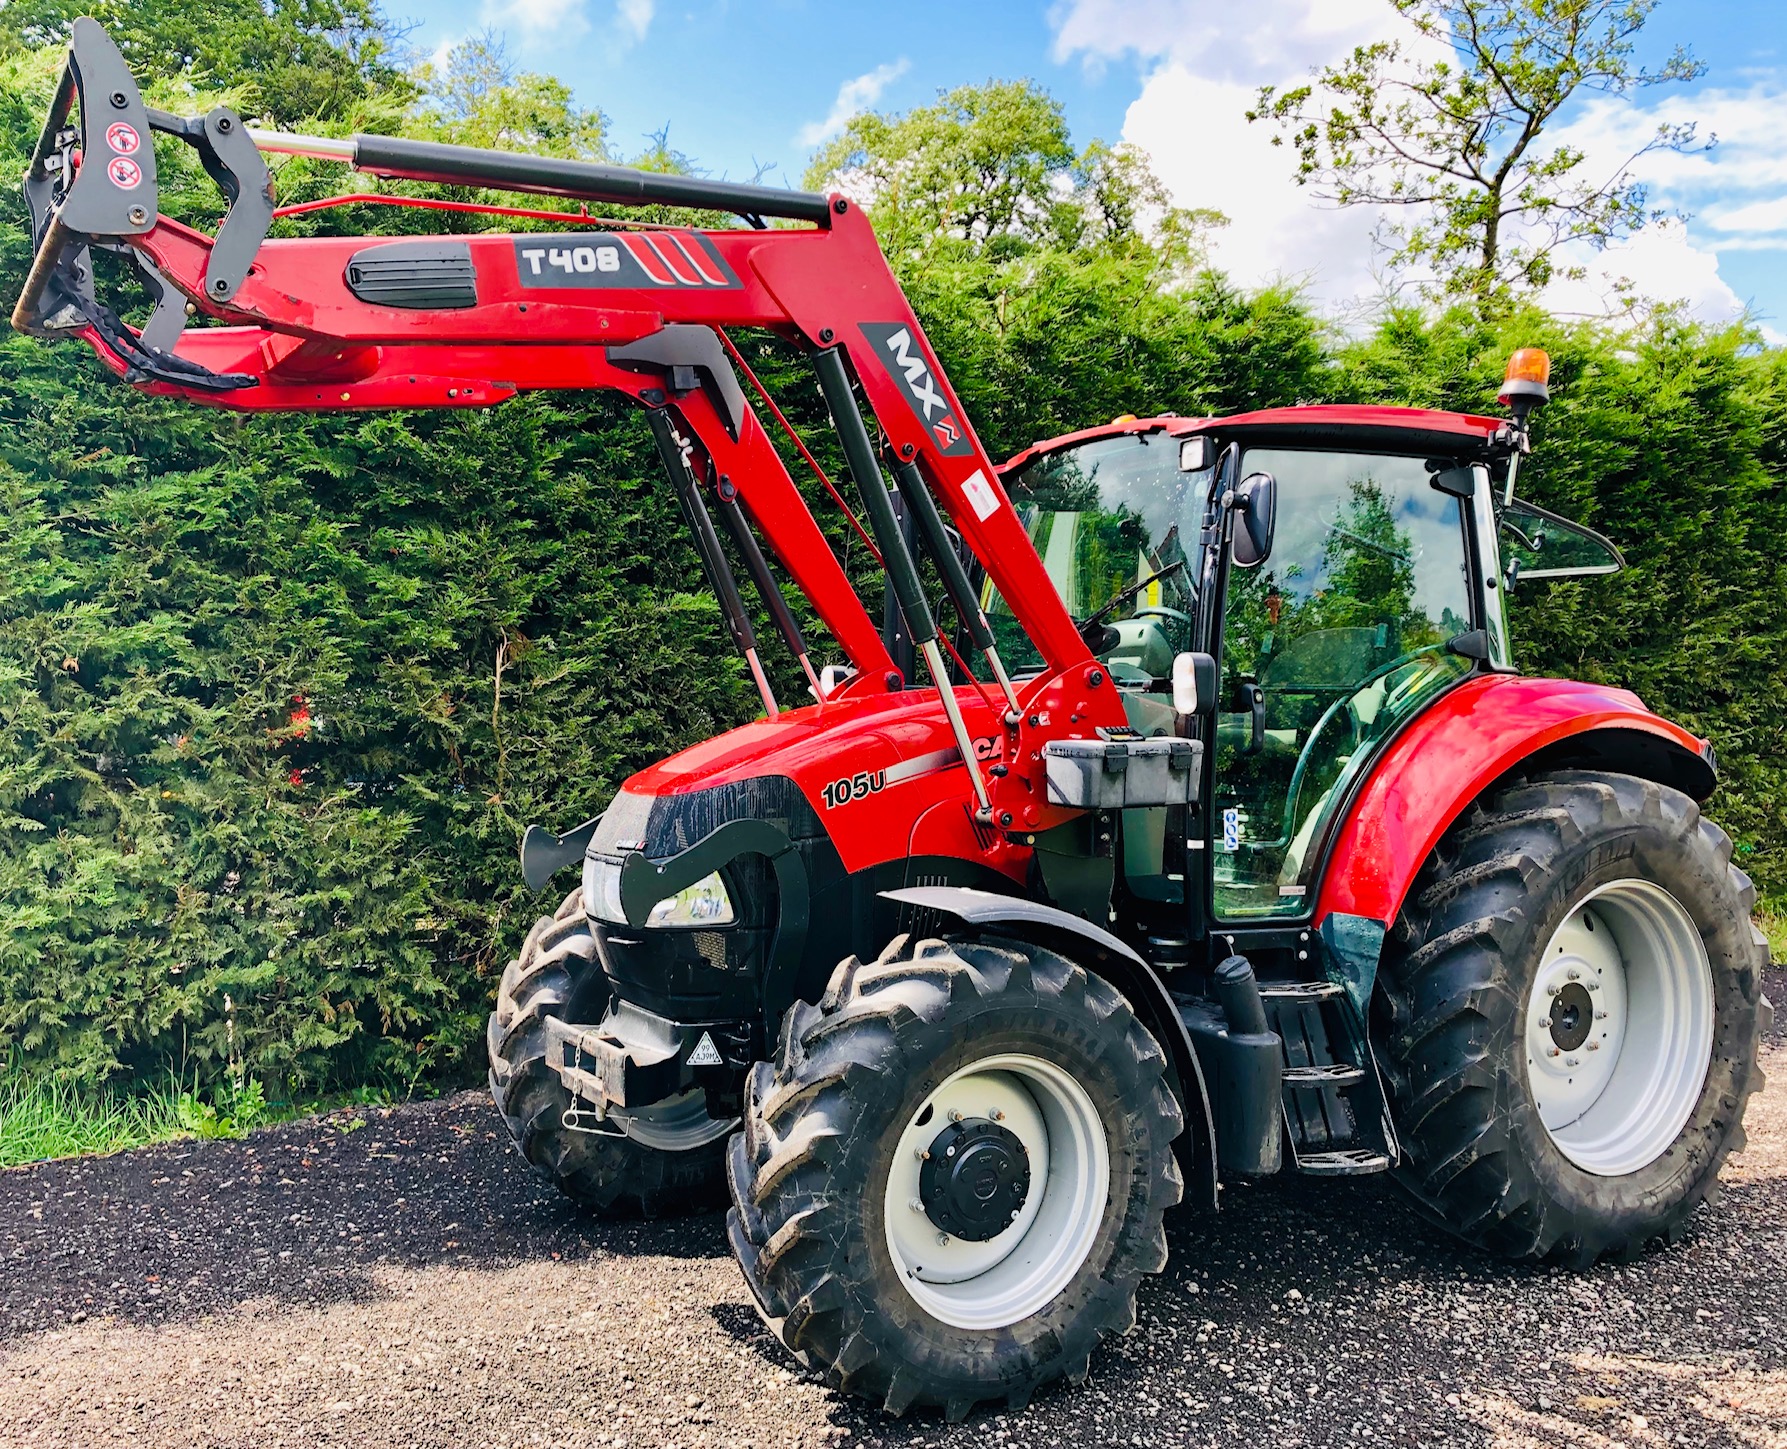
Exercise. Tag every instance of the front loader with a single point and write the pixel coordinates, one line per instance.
(1216, 836)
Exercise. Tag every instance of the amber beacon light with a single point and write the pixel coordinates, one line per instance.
(1528, 379)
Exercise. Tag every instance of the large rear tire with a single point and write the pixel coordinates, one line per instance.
(951, 1179)
(607, 1171)
(1569, 1018)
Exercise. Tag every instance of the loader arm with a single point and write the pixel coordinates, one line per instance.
(350, 323)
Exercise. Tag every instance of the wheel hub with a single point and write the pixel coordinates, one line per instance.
(975, 1179)
(1572, 1016)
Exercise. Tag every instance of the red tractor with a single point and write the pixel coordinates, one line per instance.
(1241, 850)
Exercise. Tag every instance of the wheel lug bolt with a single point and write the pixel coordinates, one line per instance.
(1545, 1025)
(996, 1115)
(1594, 1046)
(1574, 975)
(942, 1240)
(954, 1115)
(1600, 1016)
(916, 1205)
(1554, 1051)
(1572, 1062)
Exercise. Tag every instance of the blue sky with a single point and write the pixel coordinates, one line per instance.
(758, 84)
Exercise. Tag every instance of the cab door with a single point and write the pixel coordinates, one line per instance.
(1326, 646)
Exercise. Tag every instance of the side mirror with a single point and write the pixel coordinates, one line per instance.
(1197, 454)
(1256, 515)
(1194, 684)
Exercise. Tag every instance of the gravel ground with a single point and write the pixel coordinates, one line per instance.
(399, 1279)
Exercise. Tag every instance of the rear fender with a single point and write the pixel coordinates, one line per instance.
(1469, 738)
(1098, 951)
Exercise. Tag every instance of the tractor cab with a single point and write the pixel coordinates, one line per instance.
(1391, 544)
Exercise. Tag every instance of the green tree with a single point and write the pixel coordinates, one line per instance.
(1059, 285)
(478, 98)
(1457, 146)
(288, 61)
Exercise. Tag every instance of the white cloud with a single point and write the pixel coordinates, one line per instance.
(1202, 62)
(1265, 42)
(538, 19)
(548, 22)
(854, 97)
(1209, 154)
(636, 17)
(1734, 193)
(1660, 262)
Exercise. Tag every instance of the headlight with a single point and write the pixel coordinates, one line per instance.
(601, 889)
(705, 903)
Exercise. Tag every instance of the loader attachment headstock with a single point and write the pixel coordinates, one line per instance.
(92, 185)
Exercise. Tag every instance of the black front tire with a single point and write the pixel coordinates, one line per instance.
(1457, 979)
(809, 1172)
(557, 974)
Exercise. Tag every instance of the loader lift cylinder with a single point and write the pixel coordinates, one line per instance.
(902, 571)
(713, 558)
(955, 578)
(763, 576)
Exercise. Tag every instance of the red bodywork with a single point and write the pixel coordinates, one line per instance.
(1447, 756)
(1467, 429)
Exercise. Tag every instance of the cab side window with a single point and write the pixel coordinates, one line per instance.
(1328, 644)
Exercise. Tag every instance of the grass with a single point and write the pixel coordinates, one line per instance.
(41, 1118)
(1774, 925)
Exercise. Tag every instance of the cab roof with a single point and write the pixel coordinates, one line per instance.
(1327, 425)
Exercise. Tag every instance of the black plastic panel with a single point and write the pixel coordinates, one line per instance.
(422, 275)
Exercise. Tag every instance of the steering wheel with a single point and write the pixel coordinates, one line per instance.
(1392, 699)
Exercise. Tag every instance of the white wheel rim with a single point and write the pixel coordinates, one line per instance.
(1614, 1088)
(1007, 1278)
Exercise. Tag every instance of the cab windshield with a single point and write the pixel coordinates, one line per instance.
(1106, 515)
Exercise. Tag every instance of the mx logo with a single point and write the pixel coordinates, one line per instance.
(908, 364)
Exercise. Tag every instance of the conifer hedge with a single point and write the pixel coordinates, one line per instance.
(278, 694)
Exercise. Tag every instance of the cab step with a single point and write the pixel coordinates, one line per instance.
(1329, 1074)
(1336, 1120)
(1299, 990)
(1346, 1162)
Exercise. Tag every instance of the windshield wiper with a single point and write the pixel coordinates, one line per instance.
(1092, 628)
(1123, 596)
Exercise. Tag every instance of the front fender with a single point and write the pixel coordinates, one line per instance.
(1465, 741)
(1102, 953)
